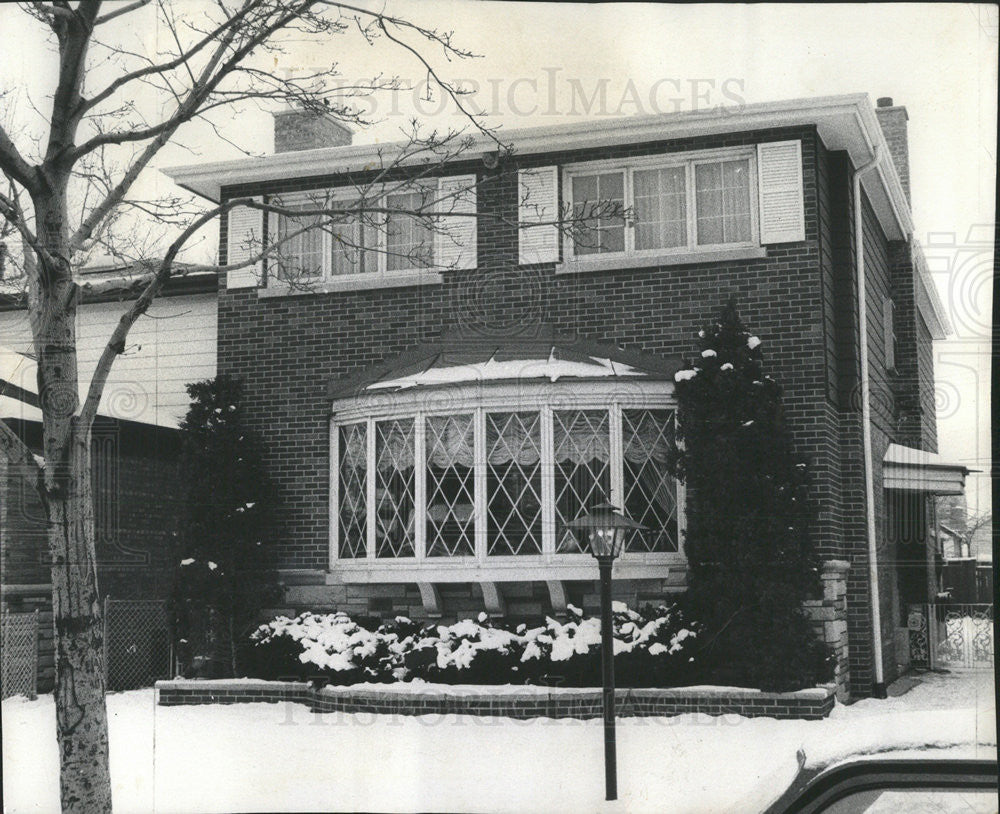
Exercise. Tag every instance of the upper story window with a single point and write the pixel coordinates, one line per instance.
(673, 204)
(314, 247)
(403, 234)
(664, 209)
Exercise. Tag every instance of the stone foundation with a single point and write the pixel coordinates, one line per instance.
(829, 619)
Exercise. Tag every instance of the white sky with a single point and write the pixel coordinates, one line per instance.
(543, 63)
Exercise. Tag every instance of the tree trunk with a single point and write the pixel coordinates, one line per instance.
(81, 715)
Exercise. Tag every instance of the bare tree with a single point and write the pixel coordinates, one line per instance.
(72, 193)
(67, 196)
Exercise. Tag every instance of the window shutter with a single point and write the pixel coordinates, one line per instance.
(779, 165)
(243, 241)
(538, 202)
(455, 242)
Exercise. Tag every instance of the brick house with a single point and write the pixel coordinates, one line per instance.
(436, 408)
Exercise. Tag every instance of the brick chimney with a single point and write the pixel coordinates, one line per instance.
(297, 129)
(893, 119)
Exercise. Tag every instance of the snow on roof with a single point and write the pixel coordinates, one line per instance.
(457, 359)
(493, 369)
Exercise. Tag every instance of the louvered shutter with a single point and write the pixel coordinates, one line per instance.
(779, 166)
(538, 202)
(455, 242)
(243, 241)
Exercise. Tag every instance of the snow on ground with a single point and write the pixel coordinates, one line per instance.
(281, 757)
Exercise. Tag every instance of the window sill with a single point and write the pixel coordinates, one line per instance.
(356, 282)
(636, 261)
(507, 569)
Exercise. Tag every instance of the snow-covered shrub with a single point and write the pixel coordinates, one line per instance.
(652, 648)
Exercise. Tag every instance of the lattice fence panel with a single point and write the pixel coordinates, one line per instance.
(19, 647)
(137, 648)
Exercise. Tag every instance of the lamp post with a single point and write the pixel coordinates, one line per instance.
(603, 530)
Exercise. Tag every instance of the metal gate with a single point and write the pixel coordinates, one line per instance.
(955, 637)
(19, 648)
(137, 643)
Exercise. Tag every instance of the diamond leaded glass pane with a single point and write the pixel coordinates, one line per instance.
(513, 483)
(394, 503)
(582, 453)
(450, 445)
(650, 491)
(353, 470)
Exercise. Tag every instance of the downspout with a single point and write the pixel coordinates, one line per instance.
(878, 686)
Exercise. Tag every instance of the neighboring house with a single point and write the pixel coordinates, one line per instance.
(135, 444)
(433, 428)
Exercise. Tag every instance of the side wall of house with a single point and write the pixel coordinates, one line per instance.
(170, 346)
(890, 395)
(288, 348)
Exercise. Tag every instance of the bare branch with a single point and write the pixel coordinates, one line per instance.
(16, 452)
(13, 163)
(118, 12)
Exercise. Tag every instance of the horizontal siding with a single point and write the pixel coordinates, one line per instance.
(167, 348)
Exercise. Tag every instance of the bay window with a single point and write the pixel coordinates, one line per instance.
(485, 483)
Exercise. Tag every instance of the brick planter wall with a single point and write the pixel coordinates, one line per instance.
(811, 704)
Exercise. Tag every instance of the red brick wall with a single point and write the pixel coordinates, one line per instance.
(288, 348)
(800, 300)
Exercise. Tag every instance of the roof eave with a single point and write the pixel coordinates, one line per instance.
(845, 122)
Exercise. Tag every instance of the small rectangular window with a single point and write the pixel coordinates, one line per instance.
(660, 204)
(722, 191)
(302, 240)
(394, 488)
(409, 238)
(595, 199)
(353, 517)
(582, 457)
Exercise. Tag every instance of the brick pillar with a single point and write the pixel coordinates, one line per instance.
(829, 619)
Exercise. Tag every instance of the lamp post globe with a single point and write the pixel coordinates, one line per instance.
(603, 530)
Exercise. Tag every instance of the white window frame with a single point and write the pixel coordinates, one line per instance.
(382, 277)
(688, 160)
(548, 564)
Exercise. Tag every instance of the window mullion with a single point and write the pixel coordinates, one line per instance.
(692, 206)
(479, 483)
(628, 201)
(681, 504)
(334, 495)
(420, 486)
(370, 489)
(548, 483)
(617, 469)
(382, 238)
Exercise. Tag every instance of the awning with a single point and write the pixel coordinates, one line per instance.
(920, 471)
(462, 359)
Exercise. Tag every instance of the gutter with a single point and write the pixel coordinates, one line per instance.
(878, 686)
